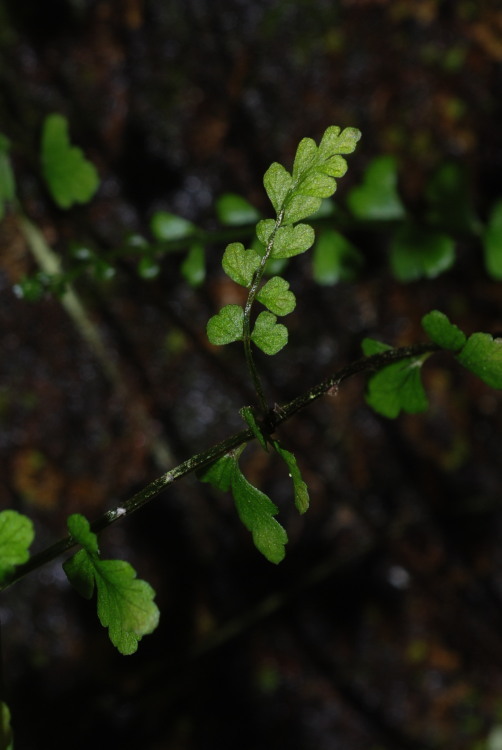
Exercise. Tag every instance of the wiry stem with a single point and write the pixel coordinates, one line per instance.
(204, 459)
(246, 335)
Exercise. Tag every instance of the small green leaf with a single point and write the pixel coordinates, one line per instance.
(240, 264)
(226, 326)
(6, 735)
(264, 229)
(79, 570)
(80, 529)
(377, 197)
(316, 184)
(335, 259)
(397, 387)
(492, 243)
(247, 413)
(482, 355)
(417, 252)
(268, 335)
(277, 182)
(257, 512)
(306, 156)
(148, 268)
(71, 178)
(255, 509)
(235, 211)
(193, 268)
(290, 241)
(299, 207)
(220, 473)
(336, 166)
(372, 346)
(125, 603)
(302, 499)
(16, 535)
(334, 142)
(166, 226)
(276, 296)
(442, 332)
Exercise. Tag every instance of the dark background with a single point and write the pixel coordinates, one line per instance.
(381, 629)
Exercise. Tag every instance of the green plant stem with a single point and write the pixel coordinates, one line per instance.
(274, 418)
(246, 332)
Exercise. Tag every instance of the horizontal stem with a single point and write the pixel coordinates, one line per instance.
(201, 460)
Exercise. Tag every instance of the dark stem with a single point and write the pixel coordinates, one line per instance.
(201, 460)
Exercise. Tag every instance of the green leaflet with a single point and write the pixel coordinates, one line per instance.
(277, 182)
(305, 158)
(377, 197)
(80, 529)
(372, 346)
(71, 178)
(314, 169)
(247, 413)
(418, 252)
(336, 142)
(193, 268)
(316, 184)
(397, 388)
(276, 296)
(335, 258)
(16, 535)
(234, 210)
(6, 736)
(226, 326)
(166, 226)
(220, 473)
(290, 241)
(442, 332)
(240, 264)
(257, 512)
(268, 335)
(299, 207)
(326, 157)
(264, 230)
(482, 355)
(254, 508)
(492, 242)
(302, 499)
(335, 166)
(124, 603)
(148, 268)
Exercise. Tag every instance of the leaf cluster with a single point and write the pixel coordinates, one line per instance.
(398, 387)
(255, 509)
(125, 603)
(294, 196)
